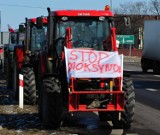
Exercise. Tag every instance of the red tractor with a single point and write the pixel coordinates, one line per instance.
(26, 58)
(74, 65)
(16, 39)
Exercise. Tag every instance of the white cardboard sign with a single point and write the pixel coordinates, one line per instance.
(89, 63)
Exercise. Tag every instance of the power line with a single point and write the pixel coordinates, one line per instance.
(21, 6)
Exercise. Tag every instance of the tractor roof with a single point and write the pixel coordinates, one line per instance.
(34, 20)
(74, 13)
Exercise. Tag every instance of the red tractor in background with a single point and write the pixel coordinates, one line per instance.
(16, 39)
(26, 59)
(82, 32)
(1, 56)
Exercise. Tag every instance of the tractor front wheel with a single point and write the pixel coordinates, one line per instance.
(29, 85)
(51, 101)
(129, 106)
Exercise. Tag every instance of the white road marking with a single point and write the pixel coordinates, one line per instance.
(142, 76)
(156, 75)
(131, 134)
(150, 89)
(147, 78)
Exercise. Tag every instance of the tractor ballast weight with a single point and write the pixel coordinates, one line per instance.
(85, 36)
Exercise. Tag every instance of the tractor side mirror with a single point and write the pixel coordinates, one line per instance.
(39, 22)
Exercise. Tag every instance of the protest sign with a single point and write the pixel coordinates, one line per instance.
(87, 63)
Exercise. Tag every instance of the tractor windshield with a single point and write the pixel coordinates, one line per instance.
(38, 38)
(86, 33)
(13, 37)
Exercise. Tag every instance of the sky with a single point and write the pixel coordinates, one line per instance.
(14, 12)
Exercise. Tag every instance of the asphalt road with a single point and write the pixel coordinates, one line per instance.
(147, 112)
(146, 121)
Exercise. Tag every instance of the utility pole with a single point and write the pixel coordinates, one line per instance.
(111, 4)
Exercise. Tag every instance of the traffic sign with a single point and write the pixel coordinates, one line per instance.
(125, 39)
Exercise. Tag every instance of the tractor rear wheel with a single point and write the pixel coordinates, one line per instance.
(156, 67)
(129, 106)
(51, 103)
(15, 78)
(29, 85)
(144, 65)
(8, 74)
(39, 93)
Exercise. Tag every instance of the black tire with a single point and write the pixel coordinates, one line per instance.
(51, 103)
(39, 93)
(5, 66)
(15, 78)
(129, 106)
(144, 65)
(29, 85)
(156, 67)
(9, 74)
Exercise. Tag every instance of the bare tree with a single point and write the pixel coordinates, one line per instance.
(138, 12)
(135, 11)
(134, 8)
(140, 8)
(155, 7)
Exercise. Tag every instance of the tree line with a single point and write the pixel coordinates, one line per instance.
(130, 17)
(139, 8)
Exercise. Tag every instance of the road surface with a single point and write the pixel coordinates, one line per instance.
(147, 113)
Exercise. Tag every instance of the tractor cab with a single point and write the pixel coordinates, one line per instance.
(35, 36)
(86, 29)
(16, 37)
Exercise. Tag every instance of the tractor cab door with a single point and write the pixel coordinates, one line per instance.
(38, 38)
